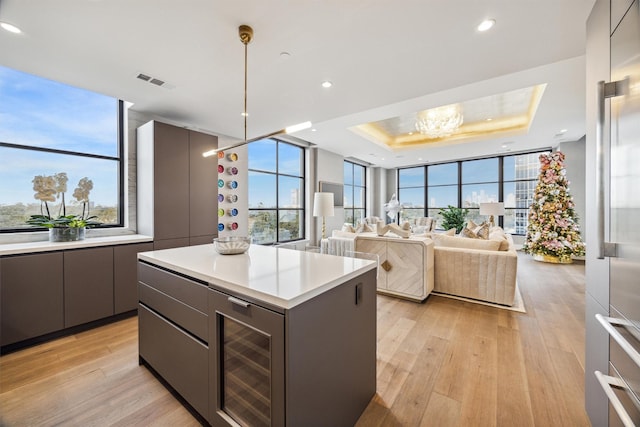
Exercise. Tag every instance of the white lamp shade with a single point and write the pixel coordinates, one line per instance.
(323, 204)
(492, 208)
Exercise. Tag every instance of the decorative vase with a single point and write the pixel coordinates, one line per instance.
(552, 259)
(66, 234)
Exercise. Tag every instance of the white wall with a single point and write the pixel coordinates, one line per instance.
(575, 163)
(329, 168)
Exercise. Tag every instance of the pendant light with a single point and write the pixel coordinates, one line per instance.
(246, 35)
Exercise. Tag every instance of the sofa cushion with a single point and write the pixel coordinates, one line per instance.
(497, 234)
(441, 240)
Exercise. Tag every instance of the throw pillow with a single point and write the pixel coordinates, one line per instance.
(450, 232)
(363, 228)
(468, 233)
(348, 228)
(482, 231)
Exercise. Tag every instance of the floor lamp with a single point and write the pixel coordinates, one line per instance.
(491, 209)
(323, 206)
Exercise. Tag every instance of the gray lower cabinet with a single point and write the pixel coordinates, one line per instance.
(49, 292)
(259, 365)
(173, 335)
(88, 285)
(31, 295)
(125, 276)
(176, 355)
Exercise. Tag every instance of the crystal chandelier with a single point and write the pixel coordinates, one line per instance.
(439, 122)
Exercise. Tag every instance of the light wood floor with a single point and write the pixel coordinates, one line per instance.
(442, 363)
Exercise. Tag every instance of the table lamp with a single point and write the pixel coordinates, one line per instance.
(491, 209)
(323, 206)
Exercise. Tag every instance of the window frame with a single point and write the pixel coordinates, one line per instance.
(459, 185)
(119, 159)
(353, 187)
(277, 175)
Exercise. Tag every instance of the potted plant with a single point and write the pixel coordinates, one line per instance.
(453, 217)
(62, 228)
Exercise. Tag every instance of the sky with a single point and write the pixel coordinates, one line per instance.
(37, 112)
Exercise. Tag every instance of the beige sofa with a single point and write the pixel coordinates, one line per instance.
(476, 268)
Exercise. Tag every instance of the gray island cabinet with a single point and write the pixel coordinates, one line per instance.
(272, 337)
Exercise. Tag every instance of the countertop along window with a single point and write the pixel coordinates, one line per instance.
(50, 128)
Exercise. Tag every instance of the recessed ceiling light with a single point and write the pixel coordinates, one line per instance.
(314, 130)
(284, 55)
(244, 114)
(327, 84)
(419, 158)
(489, 119)
(563, 131)
(410, 133)
(11, 28)
(486, 24)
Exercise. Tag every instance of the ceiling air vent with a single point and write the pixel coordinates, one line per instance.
(154, 81)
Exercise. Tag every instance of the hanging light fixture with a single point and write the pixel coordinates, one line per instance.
(246, 35)
(439, 122)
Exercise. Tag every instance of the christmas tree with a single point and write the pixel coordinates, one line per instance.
(553, 234)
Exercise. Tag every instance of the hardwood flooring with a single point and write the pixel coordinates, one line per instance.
(442, 363)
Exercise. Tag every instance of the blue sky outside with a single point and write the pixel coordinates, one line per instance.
(42, 113)
(262, 157)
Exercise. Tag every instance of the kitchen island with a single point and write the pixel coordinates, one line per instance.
(271, 337)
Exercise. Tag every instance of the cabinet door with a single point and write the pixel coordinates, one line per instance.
(171, 182)
(125, 276)
(247, 363)
(378, 247)
(88, 285)
(203, 194)
(31, 296)
(407, 268)
(178, 357)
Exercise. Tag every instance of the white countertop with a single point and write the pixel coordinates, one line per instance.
(281, 277)
(47, 246)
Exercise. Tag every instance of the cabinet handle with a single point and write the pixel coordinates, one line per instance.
(606, 382)
(239, 302)
(603, 91)
(607, 323)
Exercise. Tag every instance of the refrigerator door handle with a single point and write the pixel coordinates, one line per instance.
(607, 383)
(603, 91)
(607, 323)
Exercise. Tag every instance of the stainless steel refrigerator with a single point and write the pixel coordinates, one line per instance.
(613, 267)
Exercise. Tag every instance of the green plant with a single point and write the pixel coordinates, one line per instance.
(453, 217)
(50, 188)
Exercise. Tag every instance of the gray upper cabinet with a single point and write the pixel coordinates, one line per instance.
(88, 285)
(177, 192)
(203, 190)
(31, 296)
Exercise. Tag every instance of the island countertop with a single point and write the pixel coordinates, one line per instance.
(278, 276)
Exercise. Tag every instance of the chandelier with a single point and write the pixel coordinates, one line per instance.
(439, 122)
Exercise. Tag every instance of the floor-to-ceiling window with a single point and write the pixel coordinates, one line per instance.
(520, 180)
(411, 192)
(480, 184)
(276, 191)
(467, 183)
(442, 188)
(55, 139)
(354, 192)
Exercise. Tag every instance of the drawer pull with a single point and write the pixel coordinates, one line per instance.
(239, 302)
(607, 323)
(606, 382)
